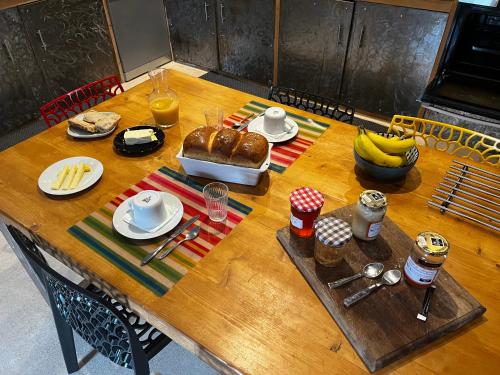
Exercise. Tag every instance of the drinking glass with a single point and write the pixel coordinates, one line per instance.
(163, 101)
(216, 195)
(215, 117)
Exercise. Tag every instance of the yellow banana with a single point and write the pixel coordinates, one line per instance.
(361, 152)
(377, 156)
(390, 146)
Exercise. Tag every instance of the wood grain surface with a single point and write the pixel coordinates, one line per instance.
(383, 327)
(246, 308)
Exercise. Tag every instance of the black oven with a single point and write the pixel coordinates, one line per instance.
(468, 77)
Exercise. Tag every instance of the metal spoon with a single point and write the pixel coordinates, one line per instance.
(192, 234)
(371, 270)
(390, 277)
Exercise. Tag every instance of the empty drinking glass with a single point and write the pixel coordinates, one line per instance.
(216, 194)
(214, 117)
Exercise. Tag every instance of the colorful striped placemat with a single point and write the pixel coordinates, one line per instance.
(96, 231)
(284, 154)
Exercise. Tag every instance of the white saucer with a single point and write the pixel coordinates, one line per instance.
(257, 126)
(131, 231)
(80, 133)
(49, 175)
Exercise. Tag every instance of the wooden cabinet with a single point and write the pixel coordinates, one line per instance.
(22, 87)
(193, 32)
(71, 42)
(391, 54)
(246, 38)
(313, 44)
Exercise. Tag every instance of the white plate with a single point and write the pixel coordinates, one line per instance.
(135, 233)
(49, 175)
(80, 133)
(257, 126)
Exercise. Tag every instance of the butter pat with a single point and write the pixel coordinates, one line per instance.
(135, 137)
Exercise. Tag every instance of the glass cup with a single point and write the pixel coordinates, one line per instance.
(216, 195)
(215, 117)
(163, 101)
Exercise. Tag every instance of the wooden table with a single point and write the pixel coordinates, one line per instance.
(245, 307)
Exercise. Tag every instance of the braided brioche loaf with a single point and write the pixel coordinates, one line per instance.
(226, 146)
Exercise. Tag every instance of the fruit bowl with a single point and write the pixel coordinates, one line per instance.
(387, 173)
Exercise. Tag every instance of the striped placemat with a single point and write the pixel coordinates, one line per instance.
(96, 231)
(284, 154)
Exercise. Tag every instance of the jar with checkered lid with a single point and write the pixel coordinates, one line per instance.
(306, 204)
(333, 237)
(369, 214)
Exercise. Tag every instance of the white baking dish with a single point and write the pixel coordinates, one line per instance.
(224, 172)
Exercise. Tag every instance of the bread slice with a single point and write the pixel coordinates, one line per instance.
(84, 125)
(96, 122)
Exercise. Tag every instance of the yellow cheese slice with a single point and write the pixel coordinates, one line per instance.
(80, 170)
(61, 175)
(86, 168)
(69, 179)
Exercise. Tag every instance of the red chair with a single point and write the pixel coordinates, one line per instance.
(80, 99)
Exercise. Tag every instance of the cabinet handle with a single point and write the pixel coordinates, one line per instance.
(361, 35)
(339, 35)
(44, 46)
(206, 12)
(7, 47)
(222, 12)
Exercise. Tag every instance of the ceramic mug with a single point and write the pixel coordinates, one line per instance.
(274, 121)
(147, 209)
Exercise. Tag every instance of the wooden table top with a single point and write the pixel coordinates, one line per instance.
(245, 307)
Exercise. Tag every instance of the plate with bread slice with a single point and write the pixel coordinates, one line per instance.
(93, 124)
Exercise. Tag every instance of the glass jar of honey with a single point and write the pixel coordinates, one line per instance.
(369, 214)
(306, 205)
(332, 241)
(426, 258)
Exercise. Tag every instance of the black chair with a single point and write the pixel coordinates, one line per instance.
(312, 103)
(113, 330)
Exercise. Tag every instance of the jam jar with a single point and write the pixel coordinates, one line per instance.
(368, 215)
(426, 258)
(306, 205)
(332, 241)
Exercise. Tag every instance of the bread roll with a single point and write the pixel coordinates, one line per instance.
(226, 146)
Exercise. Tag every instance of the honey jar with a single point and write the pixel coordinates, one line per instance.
(332, 241)
(306, 205)
(427, 255)
(369, 214)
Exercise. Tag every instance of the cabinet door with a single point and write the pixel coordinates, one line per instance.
(22, 88)
(313, 45)
(246, 38)
(390, 57)
(192, 28)
(71, 41)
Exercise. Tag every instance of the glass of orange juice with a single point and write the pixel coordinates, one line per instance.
(163, 101)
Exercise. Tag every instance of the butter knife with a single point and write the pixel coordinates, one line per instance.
(148, 258)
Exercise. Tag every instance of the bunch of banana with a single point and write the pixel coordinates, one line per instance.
(386, 152)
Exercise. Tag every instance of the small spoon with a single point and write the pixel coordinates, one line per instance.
(192, 234)
(390, 277)
(371, 270)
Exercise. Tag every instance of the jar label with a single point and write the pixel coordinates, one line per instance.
(296, 222)
(419, 274)
(373, 229)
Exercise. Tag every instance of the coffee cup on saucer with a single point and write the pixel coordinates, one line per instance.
(147, 209)
(275, 121)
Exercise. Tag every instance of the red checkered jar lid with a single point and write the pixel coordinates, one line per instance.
(306, 199)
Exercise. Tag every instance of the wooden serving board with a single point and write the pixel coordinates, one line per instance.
(383, 327)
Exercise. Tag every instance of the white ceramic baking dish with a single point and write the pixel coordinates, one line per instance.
(224, 172)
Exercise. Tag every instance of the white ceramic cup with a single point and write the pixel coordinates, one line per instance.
(274, 121)
(147, 208)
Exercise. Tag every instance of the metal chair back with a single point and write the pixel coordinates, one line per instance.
(453, 139)
(80, 99)
(312, 103)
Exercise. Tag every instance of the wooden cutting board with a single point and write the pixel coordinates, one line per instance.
(383, 327)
